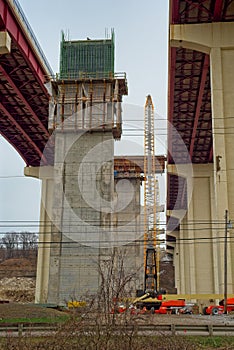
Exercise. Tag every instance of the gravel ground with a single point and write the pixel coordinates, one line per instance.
(188, 319)
(17, 289)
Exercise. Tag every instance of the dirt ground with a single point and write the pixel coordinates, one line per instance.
(17, 280)
(18, 267)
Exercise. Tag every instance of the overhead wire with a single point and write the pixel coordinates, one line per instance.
(92, 243)
(162, 222)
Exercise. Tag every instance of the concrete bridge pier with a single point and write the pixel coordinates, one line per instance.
(77, 231)
(197, 249)
(82, 227)
(86, 213)
(213, 192)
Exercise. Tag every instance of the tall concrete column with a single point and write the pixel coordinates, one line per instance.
(82, 225)
(217, 40)
(46, 175)
(182, 256)
(197, 248)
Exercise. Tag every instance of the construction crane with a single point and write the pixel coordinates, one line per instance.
(151, 260)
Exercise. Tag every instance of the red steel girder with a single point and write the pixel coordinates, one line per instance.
(187, 103)
(211, 154)
(20, 152)
(200, 5)
(172, 65)
(174, 6)
(199, 102)
(195, 11)
(176, 192)
(13, 27)
(201, 11)
(25, 135)
(218, 10)
(29, 108)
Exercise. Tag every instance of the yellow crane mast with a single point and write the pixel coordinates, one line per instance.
(150, 197)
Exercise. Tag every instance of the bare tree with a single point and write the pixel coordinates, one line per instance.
(28, 241)
(18, 244)
(10, 243)
(116, 283)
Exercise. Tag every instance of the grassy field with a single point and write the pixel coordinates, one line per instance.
(17, 313)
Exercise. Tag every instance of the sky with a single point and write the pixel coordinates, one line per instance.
(141, 50)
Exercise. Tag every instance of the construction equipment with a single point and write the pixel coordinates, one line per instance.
(219, 309)
(150, 259)
(150, 297)
(149, 300)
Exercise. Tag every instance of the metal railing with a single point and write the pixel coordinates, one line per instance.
(90, 75)
(18, 9)
(143, 329)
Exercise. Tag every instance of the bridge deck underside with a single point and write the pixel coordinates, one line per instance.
(23, 96)
(23, 107)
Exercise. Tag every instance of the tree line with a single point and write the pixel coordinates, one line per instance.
(18, 244)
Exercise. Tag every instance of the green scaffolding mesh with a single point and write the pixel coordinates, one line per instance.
(87, 58)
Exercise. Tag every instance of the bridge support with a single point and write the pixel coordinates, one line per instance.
(46, 175)
(76, 237)
(196, 249)
(214, 191)
(89, 216)
(82, 227)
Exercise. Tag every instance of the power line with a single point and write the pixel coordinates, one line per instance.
(127, 225)
(132, 243)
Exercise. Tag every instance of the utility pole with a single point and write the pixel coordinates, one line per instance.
(228, 225)
(225, 262)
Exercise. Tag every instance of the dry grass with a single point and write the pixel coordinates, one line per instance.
(16, 311)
